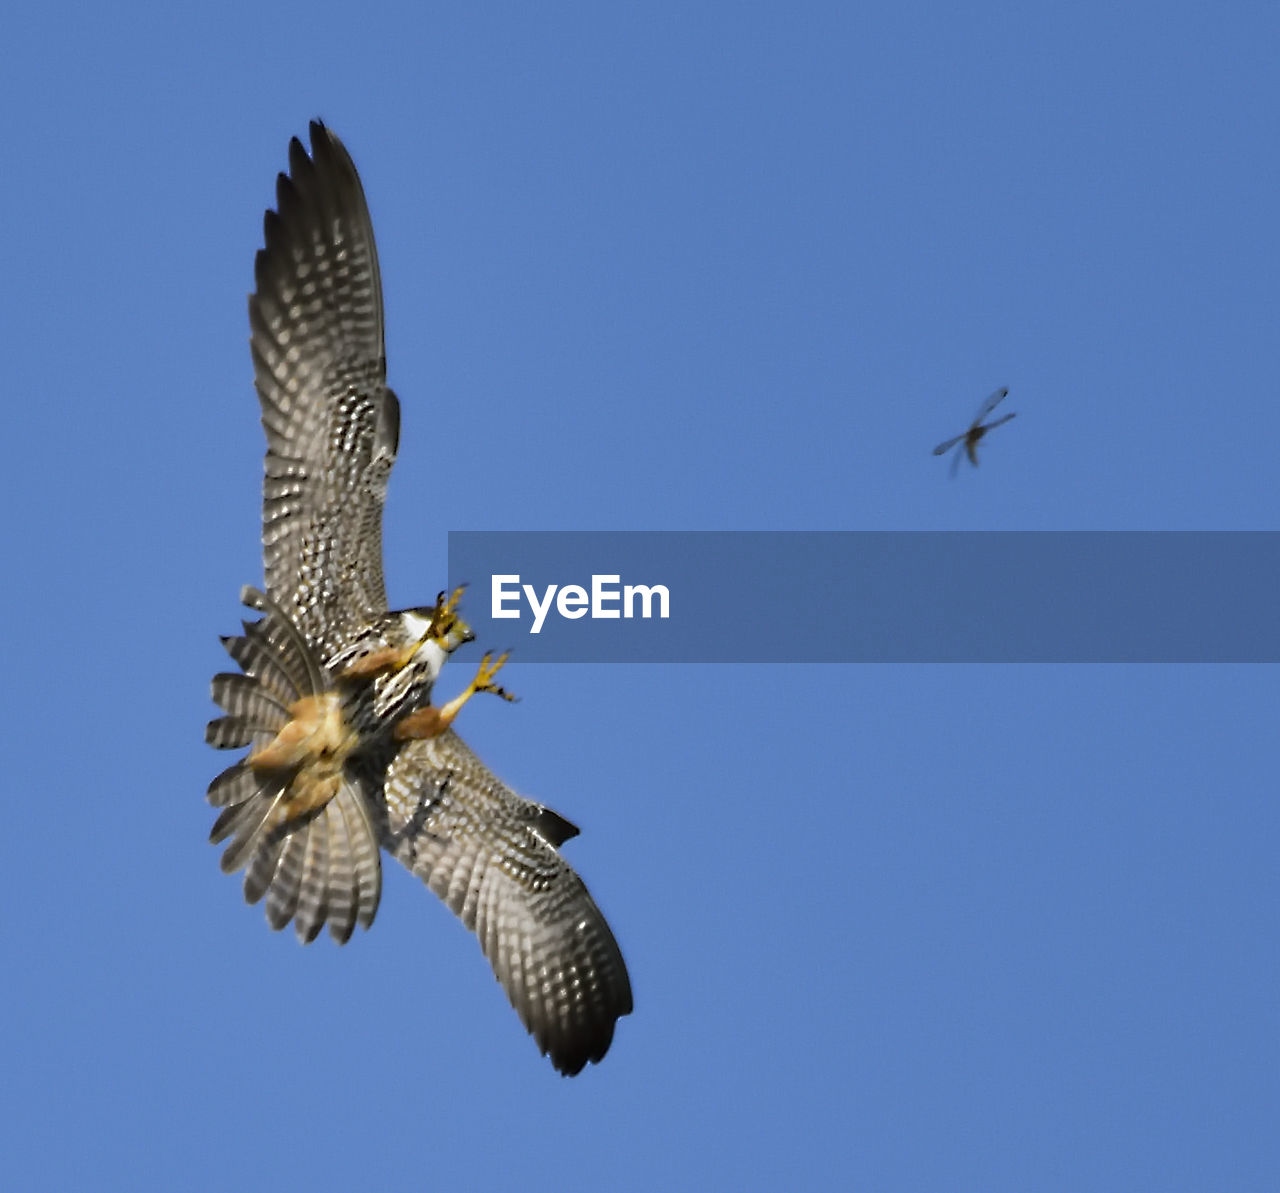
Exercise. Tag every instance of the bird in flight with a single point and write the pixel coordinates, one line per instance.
(348, 755)
(976, 430)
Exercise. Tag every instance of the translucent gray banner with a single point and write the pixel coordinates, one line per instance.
(872, 597)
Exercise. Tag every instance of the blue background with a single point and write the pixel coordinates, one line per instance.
(682, 266)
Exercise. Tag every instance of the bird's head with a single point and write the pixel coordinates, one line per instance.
(427, 637)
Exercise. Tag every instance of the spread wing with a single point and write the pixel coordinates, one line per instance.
(332, 424)
(491, 856)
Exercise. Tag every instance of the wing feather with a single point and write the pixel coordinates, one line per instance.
(331, 423)
(488, 853)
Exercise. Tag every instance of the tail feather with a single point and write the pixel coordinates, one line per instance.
(321, 868)
(342, 878)
(257, 661)
(248, 826)
(230, 733)
(243, 696)
(366, 859)
(287, 643)
(313, 893)
(282, 894)
(260, 873)
(238, 783)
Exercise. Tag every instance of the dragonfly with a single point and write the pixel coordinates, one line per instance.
(976, 430)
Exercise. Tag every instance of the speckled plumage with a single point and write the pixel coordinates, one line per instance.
(329, 673)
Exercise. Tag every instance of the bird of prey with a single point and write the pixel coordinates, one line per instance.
(976, 430)
(348, 756)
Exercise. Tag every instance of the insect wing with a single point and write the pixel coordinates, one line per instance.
(990, 404)
(943, 448)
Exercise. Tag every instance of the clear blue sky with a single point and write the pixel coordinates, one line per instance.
(719, 266)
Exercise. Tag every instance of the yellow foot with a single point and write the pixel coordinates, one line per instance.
(483, 682)
(447, 628)
(432, 721)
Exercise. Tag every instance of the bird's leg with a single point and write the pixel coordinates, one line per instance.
(378, 662)
(447, 628)
(432, 721)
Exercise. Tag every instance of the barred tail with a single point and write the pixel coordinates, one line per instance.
(317, 868)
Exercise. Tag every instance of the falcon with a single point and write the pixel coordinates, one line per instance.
(348, 756)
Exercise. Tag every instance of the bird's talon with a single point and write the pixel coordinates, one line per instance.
(447, 628)
(489, 667)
